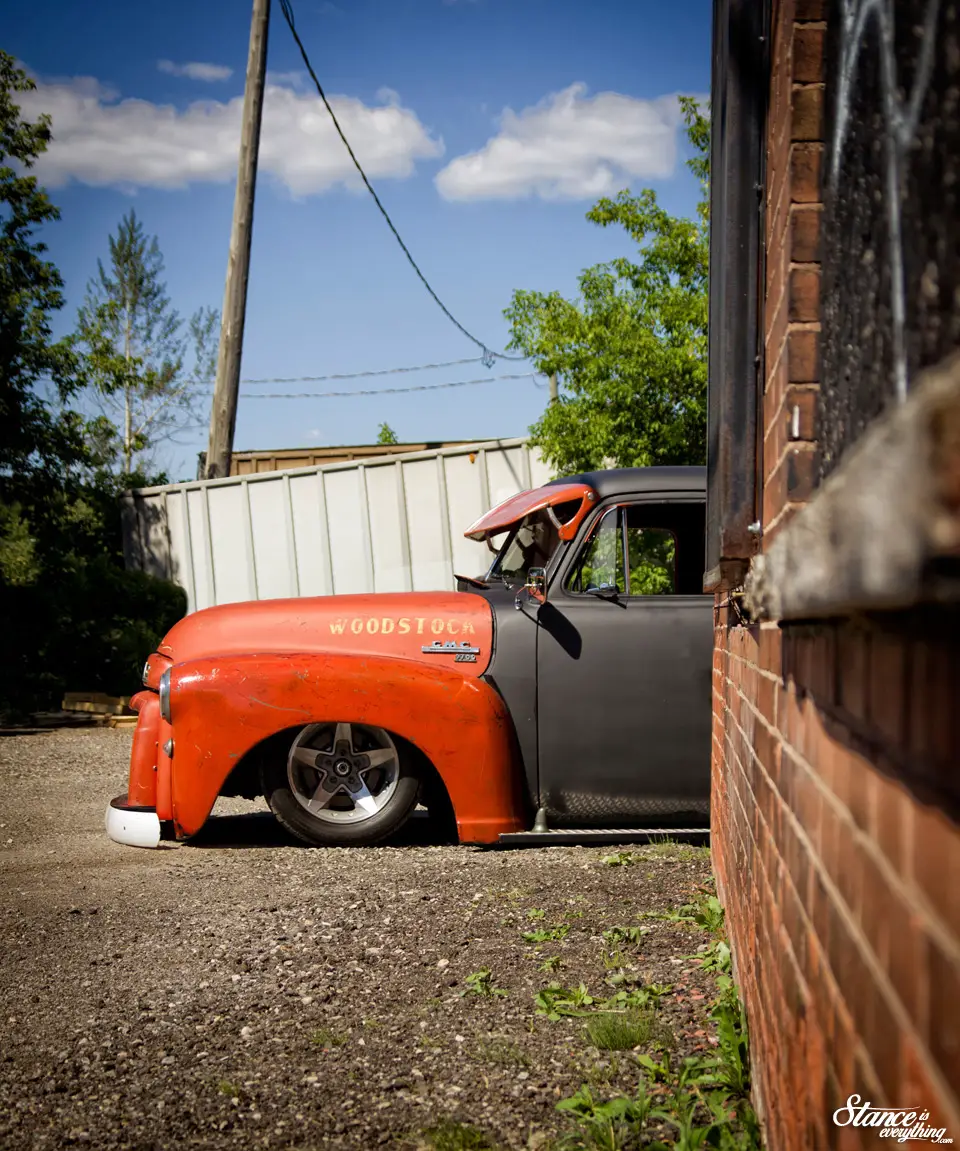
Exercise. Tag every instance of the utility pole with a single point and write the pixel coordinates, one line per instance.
(223, 415)
(554, 392)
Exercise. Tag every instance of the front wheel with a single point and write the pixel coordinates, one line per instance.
(342, 784)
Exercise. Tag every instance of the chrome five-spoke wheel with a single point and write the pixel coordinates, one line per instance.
(343, 772)
(344, 783)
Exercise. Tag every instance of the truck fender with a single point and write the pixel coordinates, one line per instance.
(221, 709)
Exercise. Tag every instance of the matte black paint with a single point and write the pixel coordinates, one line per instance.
(611, 701)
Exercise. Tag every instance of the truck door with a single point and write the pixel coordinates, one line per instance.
(624, 662)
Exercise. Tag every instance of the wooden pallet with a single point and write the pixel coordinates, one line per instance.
(96, 703)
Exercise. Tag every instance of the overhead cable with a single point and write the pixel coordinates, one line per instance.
(383, 391)
(359, 375)
(488, 355)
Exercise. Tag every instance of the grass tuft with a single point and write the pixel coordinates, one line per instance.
(451, 1135)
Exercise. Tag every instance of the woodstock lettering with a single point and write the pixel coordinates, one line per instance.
(406, 625)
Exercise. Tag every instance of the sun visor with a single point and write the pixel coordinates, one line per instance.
(504, 516)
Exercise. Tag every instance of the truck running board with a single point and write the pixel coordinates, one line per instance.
(689, 835)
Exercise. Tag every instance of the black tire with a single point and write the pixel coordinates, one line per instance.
(283, 790)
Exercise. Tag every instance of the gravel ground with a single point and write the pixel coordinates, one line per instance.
(244, 991)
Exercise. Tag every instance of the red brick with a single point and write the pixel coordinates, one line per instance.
(801, 425)
(804, 295)
(849, 874)
(803, 357)
(917, 1082)
(806, 114)
(945, 1014)
(888, 816)
(805, 234)
(805, 161)
(880, 1039)
(936, 862)
(800, 474)
(874, 907)
(831, 829)
(776, 339)
(770, 649)
(808, 55)
(908, 968)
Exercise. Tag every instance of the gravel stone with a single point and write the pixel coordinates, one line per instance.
(242, 990)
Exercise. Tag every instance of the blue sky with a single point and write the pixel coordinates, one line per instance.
(487, 126)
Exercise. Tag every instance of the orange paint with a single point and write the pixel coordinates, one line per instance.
(164, 773)
(221, 709)
(156, 665)
(397, 625)
(506, 515)
(142, 788)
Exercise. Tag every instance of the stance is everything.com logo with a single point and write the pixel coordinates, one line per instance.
(891, 1122)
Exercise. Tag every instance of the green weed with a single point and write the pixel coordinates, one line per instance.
(546, 934)
(625, 934)
(611, 1125)
(556, 1001)
(706, 912)
(481, 983)
(551, 963)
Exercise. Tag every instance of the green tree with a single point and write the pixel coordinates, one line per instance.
(387, 435)
(136, 347)
(630, 354)
(34, 442)
(71, 614)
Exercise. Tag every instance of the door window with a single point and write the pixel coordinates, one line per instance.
(652, 553)
(636, 550)
(599, 567)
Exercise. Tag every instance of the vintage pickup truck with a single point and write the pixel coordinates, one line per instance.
(567, 688)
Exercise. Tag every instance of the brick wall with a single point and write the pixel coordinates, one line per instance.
(836, 748)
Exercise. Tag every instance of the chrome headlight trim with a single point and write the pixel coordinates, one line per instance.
(146, 672)
(165, 696)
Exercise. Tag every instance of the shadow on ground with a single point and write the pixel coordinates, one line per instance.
(260, 829)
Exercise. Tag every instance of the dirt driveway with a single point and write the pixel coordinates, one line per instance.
(242, 991)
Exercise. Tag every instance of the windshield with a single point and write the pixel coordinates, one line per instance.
(531, 545)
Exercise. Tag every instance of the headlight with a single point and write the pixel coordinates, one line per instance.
(165, 696)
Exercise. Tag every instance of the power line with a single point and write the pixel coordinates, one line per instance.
(383, 391)
(361, 375)
(488, 356)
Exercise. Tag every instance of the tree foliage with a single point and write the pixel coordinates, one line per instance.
(630, 353)
(137, 348)
(71, 614)
(387, 435)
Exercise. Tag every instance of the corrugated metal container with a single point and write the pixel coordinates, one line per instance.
(285, 459)
(389, 524)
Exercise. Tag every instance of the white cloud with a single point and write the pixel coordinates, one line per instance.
(286, 79)
(102, 140)
(209, 73)
(569, 146)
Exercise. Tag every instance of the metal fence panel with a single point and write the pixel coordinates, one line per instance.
(390, 524)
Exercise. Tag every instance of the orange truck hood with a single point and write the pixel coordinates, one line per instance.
(456, 628)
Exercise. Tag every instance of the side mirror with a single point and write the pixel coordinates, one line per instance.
(535, 587)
